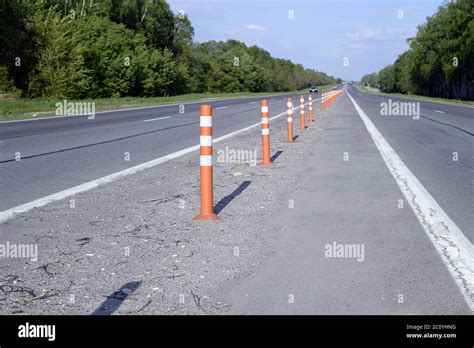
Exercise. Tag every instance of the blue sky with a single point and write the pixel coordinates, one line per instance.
(321, 34)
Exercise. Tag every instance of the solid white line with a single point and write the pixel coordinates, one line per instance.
(222, 107)
(253, 103)
(156, 119)
(441, 112)
(455, 249)
(10, 213)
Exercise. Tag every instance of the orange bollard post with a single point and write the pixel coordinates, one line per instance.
(289, 104)
(310, 108)
(302, 123)
(205, 152)
(265, 134)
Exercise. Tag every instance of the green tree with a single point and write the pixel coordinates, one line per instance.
(439, 62)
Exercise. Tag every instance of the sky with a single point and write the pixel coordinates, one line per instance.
(344, 38)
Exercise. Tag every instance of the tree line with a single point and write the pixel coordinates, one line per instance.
(440, 60)
(80, 49)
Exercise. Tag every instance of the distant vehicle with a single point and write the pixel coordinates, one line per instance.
(313, 89)
(335, 87)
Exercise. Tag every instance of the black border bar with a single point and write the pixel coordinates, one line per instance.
(138, 331)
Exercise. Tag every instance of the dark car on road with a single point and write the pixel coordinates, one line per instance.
(313, 89)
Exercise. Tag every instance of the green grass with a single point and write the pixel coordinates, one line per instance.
(12, 108)
(414, 96)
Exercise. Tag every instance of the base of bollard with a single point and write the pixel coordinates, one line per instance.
(206, 216)
(265, 163)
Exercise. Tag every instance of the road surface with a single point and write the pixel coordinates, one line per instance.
(57, 154)
(346, 194)
(355, 202)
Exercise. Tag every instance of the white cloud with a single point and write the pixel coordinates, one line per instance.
(254, 27)
(379, 34)
(365, 33)
(357, 45)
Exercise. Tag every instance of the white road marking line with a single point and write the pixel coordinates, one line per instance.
(455, 249)
(253, 103)
(23, 208)
(441, 112)
(156, 119)
(222, 107)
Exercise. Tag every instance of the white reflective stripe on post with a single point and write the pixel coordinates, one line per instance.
(206, 121)
(264, 120)
(206, 140)
(290, 105)
(265, 131)
(206, 161)
(301, 112)
(264, 108)
(301, 100)
(290, 119)
(290, 112)
(311, 108)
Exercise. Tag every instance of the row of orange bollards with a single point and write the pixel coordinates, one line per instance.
(328, 98)
(206, 174)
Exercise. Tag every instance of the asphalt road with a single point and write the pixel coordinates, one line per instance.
(60, 153)
(355, 202)
(427, 144)
(336, 201)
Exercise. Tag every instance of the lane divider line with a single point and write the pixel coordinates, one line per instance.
(455, 249)
(441, 112)
(156, 119)
(222, 107)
